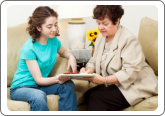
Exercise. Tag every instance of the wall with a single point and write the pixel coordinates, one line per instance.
(17, 14)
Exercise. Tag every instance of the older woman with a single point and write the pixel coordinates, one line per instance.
(119, 63)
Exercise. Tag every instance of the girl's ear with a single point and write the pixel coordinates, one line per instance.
(38, 28)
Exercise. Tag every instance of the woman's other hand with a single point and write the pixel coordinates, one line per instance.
(98, 79)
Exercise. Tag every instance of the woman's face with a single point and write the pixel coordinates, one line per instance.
(49, 28)
(106, 27)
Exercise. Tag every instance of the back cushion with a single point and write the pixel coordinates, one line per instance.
(148, 37)
(16, 37)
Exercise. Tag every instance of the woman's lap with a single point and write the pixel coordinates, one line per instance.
(108, 98)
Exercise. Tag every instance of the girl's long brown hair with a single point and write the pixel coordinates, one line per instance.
(37, 19)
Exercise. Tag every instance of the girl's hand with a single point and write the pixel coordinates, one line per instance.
(61, 80)
(98, 79)
(72, 63)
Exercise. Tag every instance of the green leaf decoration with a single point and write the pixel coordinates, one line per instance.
(91, 44)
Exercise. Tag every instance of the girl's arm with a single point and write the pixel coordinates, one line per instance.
(36, 74)
(63, 52)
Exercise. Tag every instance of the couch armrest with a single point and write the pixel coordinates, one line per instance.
(60, 66)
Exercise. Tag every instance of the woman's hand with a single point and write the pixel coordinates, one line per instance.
(83, 70)
(61, 80)
(88, 71)
(98, 79)
(72, 63)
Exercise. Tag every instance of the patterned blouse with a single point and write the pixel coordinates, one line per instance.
(104, 56)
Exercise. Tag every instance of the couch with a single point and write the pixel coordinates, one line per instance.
(16, 37)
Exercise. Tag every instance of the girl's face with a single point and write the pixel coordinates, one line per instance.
(106, 27)
(49, 28)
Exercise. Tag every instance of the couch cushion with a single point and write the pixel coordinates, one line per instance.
(16, 37)
(16, 105)
(148, 37)
(81, 87)
(149, 104)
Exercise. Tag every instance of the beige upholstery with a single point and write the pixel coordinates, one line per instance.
(148, 37)
(16, 37)
(149, 104)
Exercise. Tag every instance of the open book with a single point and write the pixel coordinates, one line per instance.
(77, 76)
